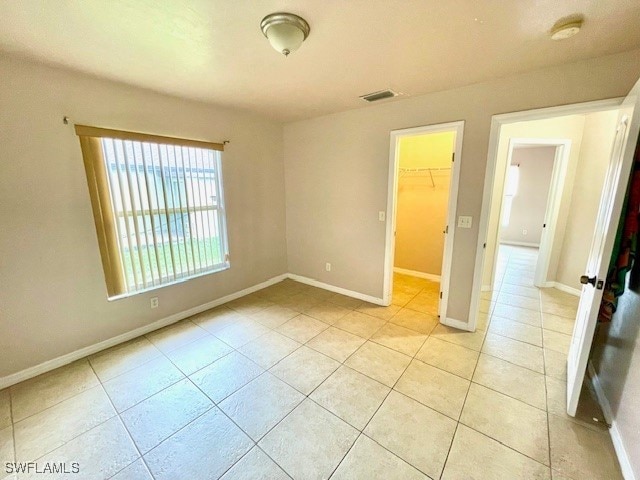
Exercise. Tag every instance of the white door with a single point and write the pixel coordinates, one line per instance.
(602, 245)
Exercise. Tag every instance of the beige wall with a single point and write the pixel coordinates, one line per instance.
(616, 357)
(53, 298)
(336, 169)
(561, 128)
(595, 151)
(421, 213)
(530, 203)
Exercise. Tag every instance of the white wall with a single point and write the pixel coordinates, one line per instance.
(597, 142)
(336, 169)
(529, 205)
(53, 298)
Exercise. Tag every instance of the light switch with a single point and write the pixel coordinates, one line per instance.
(464, 221)
(382, 216)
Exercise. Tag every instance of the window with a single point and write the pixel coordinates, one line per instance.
(158, 206)
(510, 191)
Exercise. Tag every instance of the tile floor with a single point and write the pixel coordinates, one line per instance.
(294, 381)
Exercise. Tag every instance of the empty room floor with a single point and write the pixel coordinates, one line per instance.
(295, 381)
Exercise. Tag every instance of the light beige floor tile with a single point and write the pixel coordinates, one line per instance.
(378, 362)
(216, 319)
(368, 460)
(413, 320)
(300, 302)
(53, 427)
(196, 355)
(383, 313)
(472, 340)
(557, 323)
(523, 315)
(417, 434)
(249, 304)
(136, 471)
(302, 328)
(514, 351)
(351, 396)
(486, 306)
(293, 443)
(482, 322)
(588, 407)
(435, 388)
(512, 380)
(556, 341)
(516, 330)
(517, 300)
(424, 303)
(317, 292)
(399, 338)
(448, 356)
(160, 416)
(5, 408)
(241, 333)
(509, 421)
(269, 349)
(360, 324)
(344, 301)
(401, 298)
(34, 395)
(555, 364)
(531, 292)
(518, 279)
(124, 357)
(580, 452)
(255, 465)
(475, 456)
(336, 343)
(552, 295)
(558, 476)
(225, 376)
(188, 453)
(327, 312)
(140, 383)
(99, 453)
(261, 404)
(176, 335)
(274, 316)
(568, 311)
(6, 449)
(305, 369)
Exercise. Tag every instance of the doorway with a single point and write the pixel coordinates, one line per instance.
(423, 187)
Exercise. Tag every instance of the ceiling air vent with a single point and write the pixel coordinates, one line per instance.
(381, 95)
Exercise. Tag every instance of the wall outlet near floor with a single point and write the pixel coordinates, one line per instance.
(327, 267)
(524, 231)
(154, 302)
(382, 216)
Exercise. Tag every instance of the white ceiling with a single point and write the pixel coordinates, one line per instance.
(213, 50)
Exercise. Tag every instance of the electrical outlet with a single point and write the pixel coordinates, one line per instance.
(327, 267)
(154, 302)
(464, 221)
(382, 216)
(524, 231)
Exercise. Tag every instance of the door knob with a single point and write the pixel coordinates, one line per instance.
(585, 279)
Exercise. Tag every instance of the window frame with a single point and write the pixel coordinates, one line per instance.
(108, 220)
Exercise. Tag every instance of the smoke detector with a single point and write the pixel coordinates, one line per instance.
(381, 95)
(562, 31)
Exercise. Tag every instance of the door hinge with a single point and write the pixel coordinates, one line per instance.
(446, 230)
(453, 157)
(441, 295)
(544, 225)
(484, 245)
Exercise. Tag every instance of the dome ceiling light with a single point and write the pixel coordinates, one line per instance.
(285, 31)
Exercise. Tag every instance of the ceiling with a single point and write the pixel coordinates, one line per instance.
(214, 51)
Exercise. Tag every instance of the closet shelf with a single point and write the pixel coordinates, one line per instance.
(418, 172)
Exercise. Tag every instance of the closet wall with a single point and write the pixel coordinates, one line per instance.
(422, 201)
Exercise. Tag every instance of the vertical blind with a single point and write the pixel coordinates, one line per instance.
(158, 205)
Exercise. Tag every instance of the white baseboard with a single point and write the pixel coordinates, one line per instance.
(332, 288)
(415, 273)
(564, 288)
(62, 360)
(486, 288)
(616, 437)
(459, 324)
(520, 244)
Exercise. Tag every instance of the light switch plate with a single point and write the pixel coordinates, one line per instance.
(382, 216)
(464, 221)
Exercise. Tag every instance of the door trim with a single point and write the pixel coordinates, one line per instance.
(392, 194)
(497, 121)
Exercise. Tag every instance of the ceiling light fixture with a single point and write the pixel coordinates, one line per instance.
(562, 31)
(285, 31)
